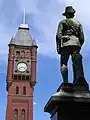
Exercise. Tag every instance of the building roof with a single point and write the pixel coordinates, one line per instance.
(23, 37)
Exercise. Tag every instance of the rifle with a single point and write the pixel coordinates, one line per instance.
(58, 42)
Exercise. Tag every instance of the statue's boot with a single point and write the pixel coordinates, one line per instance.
(78, 70)
(74, 74)
(77, 66)
(64, 72)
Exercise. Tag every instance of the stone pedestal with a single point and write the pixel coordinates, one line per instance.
(69, 103)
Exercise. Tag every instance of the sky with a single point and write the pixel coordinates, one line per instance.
(43, 17)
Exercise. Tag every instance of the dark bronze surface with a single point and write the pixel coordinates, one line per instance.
(69, 39)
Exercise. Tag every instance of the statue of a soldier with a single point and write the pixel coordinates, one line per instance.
(70, 39)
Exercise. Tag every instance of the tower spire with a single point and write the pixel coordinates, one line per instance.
(24, 25)
(24, 17)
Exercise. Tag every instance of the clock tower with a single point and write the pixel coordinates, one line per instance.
(21, 75)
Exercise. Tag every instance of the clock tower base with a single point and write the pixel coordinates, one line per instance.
(20, 105)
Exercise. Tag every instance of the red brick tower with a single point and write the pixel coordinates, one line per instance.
(21, 75)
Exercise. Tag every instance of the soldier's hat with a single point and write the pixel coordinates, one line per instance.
(69, 10)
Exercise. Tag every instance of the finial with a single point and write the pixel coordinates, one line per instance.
(24, 25)
(24, 17)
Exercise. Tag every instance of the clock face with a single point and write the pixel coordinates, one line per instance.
(22, 67)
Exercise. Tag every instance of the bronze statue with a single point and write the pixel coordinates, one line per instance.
(69, 39)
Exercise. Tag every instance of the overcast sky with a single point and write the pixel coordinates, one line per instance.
(43, 17)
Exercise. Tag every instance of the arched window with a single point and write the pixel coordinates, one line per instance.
(15, 77)
(23, 114)
(15, 114)
(24, 90)
(19, 77)
(22, 53)
(17, 90)
(17, 53)
(23, 77)
(28, 53)
(27, 77)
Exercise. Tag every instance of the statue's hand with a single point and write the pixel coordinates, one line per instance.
(59, 51)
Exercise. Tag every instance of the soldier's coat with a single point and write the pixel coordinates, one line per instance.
(64, 30)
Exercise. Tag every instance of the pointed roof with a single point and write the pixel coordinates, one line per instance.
(23, 37)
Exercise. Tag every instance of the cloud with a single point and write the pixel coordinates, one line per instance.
(43, 18)
(7, 25)
(82, 14)
(82, 8)
(29, 5)
(4, 40)
(46, 16)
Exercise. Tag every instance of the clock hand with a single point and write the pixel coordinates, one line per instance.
(21, 67)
